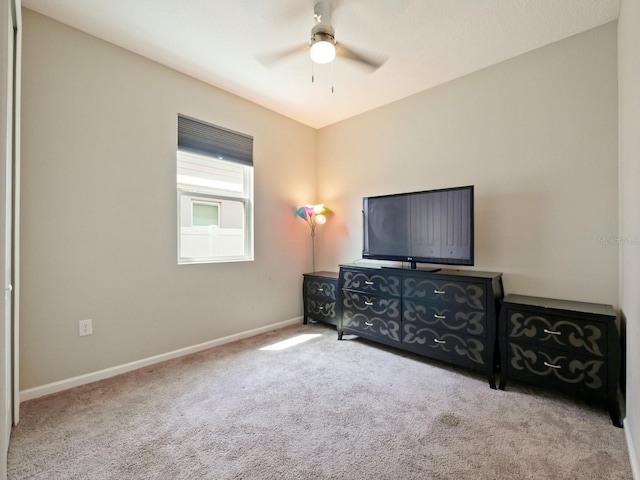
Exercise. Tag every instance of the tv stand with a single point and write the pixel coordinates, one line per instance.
(448, 315)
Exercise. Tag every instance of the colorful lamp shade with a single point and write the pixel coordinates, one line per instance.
(314, 215)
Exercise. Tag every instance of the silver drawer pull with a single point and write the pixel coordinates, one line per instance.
(440, 317)
(441, 342)
(369, 324)
(550, 365)
(551, 332)
(367, 282)
(321, 289)
(439, 292)
(321, 307)
(368, 303)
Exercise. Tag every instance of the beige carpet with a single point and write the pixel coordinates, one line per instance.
(322, 409)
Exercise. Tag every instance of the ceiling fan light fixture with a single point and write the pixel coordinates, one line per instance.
(323, 52)
(323, 48)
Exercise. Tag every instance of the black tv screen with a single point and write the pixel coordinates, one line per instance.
(434, 226)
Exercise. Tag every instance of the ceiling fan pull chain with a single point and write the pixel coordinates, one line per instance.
(312, 72)
(331, 76)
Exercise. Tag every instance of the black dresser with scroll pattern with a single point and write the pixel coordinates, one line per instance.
(320, 295)
(566, 345)
(449, 315)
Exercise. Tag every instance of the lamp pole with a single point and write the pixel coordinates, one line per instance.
(313, 247)
(314, 215)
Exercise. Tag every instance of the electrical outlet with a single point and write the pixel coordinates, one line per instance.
(85, 327)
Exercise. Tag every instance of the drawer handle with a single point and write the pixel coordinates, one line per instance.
(550, 365)
(321, 307)
(321, 289)
(440, 317)
(368, 324)
(367, 282)
(439, 292)
(441, 342)
(368, 303)
(551, 332)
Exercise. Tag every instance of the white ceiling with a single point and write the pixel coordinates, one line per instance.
(426, 43)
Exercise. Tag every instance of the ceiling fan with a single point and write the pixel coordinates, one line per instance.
(322, 46)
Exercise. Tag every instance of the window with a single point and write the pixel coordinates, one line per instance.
(205, 214)
(214, 180)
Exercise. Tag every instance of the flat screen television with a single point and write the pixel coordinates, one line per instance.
(433, 226)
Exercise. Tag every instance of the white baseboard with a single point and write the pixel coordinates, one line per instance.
(41, 391)
(635, 466)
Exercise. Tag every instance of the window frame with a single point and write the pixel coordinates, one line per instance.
(247, 202)
(209, 135)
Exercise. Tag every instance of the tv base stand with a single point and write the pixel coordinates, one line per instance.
(414, 266)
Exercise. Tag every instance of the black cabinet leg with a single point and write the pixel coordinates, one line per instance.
(615, 413)
(503, 381)
(615, 418)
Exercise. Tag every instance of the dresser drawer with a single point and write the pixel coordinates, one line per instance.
(370, 282)
(373, 327)
(584, 337)
(322, 289)
(558, 368)
(371, 305)
(456, 348)
(459, 294)
(321, 311)
(435, 315)
(371, 316)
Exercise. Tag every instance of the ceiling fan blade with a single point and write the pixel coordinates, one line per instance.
(271, 58)
(367, 60)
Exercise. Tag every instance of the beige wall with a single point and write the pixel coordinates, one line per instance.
(629, 104)
(99, 210)
(536, 135)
